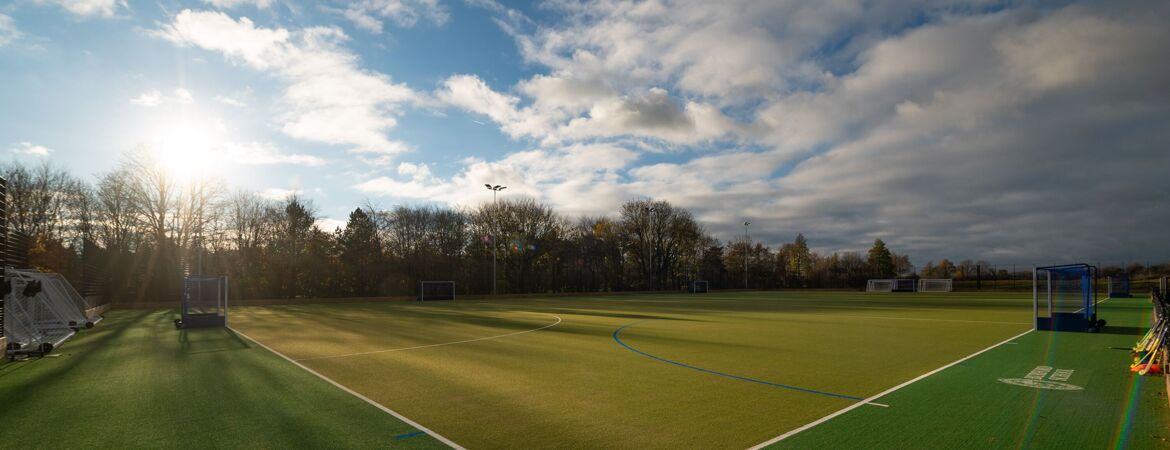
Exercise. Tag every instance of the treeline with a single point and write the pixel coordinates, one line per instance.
(138, 230)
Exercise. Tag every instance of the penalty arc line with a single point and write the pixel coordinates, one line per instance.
(880, 395)
(354, 393)
(436, 345)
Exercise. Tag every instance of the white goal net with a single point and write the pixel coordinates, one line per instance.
(935, 285)
(881, 285)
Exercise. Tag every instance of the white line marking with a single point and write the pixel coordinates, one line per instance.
(389, 411)
(926, 320)
(883, 405)
(435, 345)
(879, 395)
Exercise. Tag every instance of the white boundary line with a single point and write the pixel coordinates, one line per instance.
(389, 411)
(436, 345)
(923, 319)
(879, 395)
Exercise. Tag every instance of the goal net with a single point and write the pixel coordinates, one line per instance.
(1119, 286)
(62, 297)
(31, 323)
(205, 302)
(699, 287)
(1065, 297)
(880, 285)
(436, 290)
(935, 285)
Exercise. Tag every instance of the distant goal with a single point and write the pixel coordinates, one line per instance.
(936, 285)
(436, 290)
(698, 287)
(890, 285)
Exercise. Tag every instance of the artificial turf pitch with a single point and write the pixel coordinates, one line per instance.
(722, 370)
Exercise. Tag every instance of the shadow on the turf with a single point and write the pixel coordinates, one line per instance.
(210, 340)
(1129, 331)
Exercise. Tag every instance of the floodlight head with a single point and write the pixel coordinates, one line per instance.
(746, 223)
(501, 187)
(487, 186)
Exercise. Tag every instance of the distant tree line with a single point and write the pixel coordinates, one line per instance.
(139, 230)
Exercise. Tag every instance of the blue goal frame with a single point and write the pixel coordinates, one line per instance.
(1057, 317)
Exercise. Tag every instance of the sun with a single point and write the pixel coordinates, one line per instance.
(186, 149)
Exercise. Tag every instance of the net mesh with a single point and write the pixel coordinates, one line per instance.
(436, 290)
(204, 296)
(880, 285)
(935, 285)
(1065, 289)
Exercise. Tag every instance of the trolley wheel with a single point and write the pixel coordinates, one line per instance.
(1100, 323)
(89, 324)
(46, 348)
(178, 324)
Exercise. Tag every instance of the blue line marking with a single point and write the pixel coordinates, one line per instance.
(410, 435)
(617, 338)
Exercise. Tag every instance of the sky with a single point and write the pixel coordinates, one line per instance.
(1015, 132)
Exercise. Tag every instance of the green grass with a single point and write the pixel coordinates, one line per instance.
(473, 371)
(572, 385)
(966, 407)
(135, 381)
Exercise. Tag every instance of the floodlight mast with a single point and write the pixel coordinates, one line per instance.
(495, 189)
(746, 250)
(650, 213)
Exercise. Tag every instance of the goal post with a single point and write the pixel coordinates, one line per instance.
(936, 285)
(1118, 286)
(1064, 298)
(33, 326)
(698, 287)
(204, 303)
(881, 285)
(436, 290)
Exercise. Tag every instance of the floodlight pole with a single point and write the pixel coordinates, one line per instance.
(746, 250)
(495, 189)
(650, 213)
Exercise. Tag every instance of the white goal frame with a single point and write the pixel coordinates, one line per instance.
(881, 285)
(936, 285)
(30, 322)
(695, 287)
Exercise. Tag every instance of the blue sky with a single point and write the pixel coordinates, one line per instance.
(953, 129)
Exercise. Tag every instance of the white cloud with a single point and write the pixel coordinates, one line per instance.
(87, 8)
(231, 101)
(148, 99)
(278, 194)
(8, 31)
(155, 97)
(330, 225)
(256, 153)
(30, 149)
(228, 4)
(578, 179)
(368, 14)
(570, 110)
(963, 136)
(329, 97)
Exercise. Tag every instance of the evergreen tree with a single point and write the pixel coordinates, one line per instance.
(360, 254)
(880, 260)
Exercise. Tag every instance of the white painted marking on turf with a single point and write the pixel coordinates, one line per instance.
(389, 411)
(435, 345)
(879, 395)
(922, 319)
